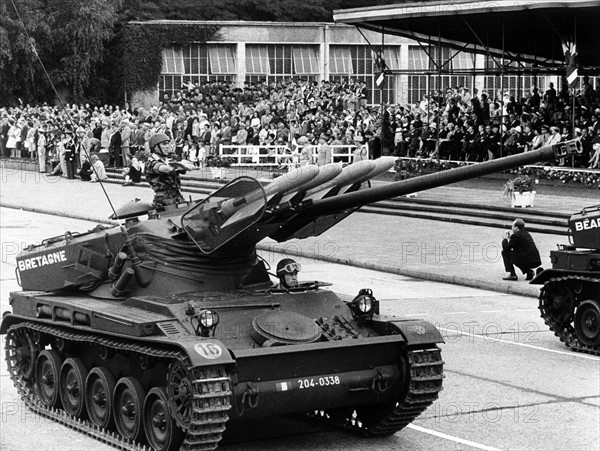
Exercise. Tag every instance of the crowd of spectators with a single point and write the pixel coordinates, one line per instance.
(462, 125)
(458, 124)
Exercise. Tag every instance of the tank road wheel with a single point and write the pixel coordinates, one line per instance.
(587, 322)
(128, 408)
(179, 392)
(21, 353)
(162, 431)
(559, 302)
(99, 388)
(47, 372)
(72, 387)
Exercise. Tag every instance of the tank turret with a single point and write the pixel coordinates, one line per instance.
(570, 296)
(162, 329)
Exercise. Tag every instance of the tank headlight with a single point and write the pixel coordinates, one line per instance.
(209, 318)
(364, 305)
(207, 322)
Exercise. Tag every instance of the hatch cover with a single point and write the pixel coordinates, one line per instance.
(283, 328)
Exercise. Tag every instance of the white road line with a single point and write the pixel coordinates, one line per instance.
(452, 438)
(525, 345)
(525, 310)
(416, 314)
(454, 313)
(491, 311)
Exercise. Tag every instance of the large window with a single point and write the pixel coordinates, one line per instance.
(257, 60)
(391, 56)
(172, 60)
(195, 63)
(417, 61)
(432, 59)
(305, 60)
(222, 60)
(340, 60)
(515, 85)
(283, 62)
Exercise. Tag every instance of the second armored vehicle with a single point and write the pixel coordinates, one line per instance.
(570, 297)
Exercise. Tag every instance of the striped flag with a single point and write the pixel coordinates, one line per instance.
(572, 76)
(570, 51)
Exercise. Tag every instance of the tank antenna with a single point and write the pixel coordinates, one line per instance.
(68, 114)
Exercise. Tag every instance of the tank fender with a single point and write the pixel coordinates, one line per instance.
(8, 319)
(206, 352)
(414, 331)
(548, 274)
(201, 352)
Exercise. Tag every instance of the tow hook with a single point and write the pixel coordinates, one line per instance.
(250, 399)
(380, 382)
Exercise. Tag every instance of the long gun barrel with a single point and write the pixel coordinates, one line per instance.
(389, 190)
(305, 212)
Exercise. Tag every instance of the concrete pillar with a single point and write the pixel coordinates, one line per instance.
(402, 86)
(479, 78)
(324, 54)
(240, 59)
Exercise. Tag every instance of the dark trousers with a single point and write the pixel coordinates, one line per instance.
(509, 263)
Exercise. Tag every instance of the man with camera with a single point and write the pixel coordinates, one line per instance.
(519, 249)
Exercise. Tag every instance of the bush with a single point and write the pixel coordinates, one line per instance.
(217, 161)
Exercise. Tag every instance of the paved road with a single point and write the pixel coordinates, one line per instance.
(509, 383)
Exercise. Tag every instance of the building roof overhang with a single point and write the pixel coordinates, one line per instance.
(530, 31)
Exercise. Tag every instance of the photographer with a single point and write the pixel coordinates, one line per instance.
(519, 249)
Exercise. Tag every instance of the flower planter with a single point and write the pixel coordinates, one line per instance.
(522, 200)
(217, 173)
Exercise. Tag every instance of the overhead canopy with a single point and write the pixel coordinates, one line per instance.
(525, 30)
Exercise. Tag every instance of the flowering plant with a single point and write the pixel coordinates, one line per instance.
(518, 184)
(412, 167)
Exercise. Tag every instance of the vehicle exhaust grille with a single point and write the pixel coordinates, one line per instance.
(172, 328)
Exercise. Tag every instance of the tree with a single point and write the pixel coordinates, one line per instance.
(22, 33)
(262, 10)
(82, 28)
(66, 38)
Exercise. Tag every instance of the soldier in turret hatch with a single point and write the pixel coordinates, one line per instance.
(163, 176)
(287, 271)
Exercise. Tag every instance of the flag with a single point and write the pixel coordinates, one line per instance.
(380, 79)
(572, 76)
(570, 51)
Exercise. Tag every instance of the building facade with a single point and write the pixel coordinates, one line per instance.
(274, 51)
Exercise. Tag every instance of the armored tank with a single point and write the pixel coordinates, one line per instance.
(161, 330)
(570, 296)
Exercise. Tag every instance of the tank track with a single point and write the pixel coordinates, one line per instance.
(566, 333)
(426, 376)
(209, 405)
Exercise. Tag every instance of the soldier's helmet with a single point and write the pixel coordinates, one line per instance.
(156, 139)
(287, 266)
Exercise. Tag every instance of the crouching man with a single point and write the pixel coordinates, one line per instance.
(519, 249)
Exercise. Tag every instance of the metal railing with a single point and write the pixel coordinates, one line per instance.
(275, 155)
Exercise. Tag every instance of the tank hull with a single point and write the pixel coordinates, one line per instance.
(383, 372)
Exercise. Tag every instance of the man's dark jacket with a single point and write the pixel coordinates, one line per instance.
(524, 251)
